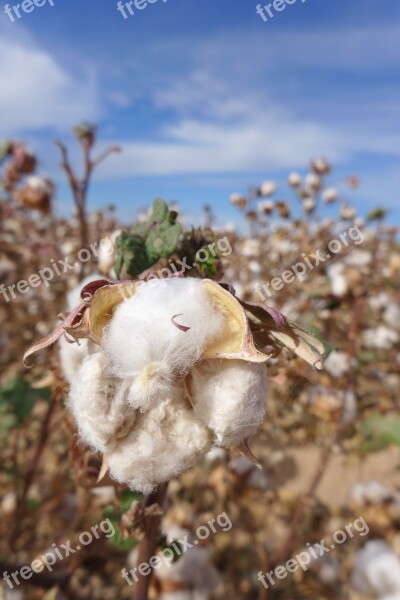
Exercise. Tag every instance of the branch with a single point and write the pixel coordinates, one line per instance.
(148, 545)
(105, 154)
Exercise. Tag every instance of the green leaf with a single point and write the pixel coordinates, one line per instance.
(380, 431)
(127, 497)
(117, 540)
(160, 211)
(17, 398)
(173, 547)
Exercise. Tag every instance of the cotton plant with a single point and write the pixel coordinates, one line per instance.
(175, 367)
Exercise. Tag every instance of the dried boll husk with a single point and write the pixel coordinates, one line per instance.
(165, 441)
(73, 354)
(251, 332)
(99, 405)
(229, 396)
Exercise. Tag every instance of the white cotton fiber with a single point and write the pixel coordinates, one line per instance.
(72, 356)
(193, 568)
(165, 441)
(230, 398)
(99, 405)
(377, 570)
(142, 342)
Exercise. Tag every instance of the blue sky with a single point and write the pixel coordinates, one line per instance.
(205, 98)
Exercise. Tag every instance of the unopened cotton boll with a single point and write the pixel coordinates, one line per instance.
(166, 440)
(99, 405)
(230, 398)
(142, 342)
(376, 570)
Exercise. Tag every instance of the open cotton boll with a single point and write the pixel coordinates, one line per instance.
(376, 570)
(142, 342)
(193, 568)
(99, 405)
(165, 441)
(230, 396)
(372, 492)
(178, 595)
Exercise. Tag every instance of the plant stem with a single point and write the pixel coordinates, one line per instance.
(148, 545)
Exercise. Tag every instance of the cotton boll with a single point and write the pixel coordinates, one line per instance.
(377, 570)
(392, 315)
(194, 568)
(337, 363)
(99, 405)
(379, 301)
(338, 280)
(106, 252)
(165, 441)
(7, 594)
(142, 341)
(358, 259)
(230, 398)
(381, 338)
(178, 595)
(372, 492)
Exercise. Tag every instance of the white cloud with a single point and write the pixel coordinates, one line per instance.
(37, 92)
